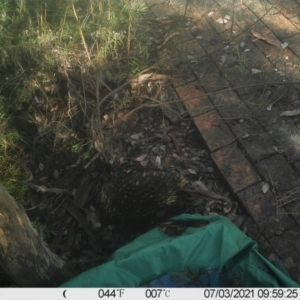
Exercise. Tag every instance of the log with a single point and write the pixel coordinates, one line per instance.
(24, 255)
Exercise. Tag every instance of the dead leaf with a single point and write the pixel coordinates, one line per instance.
(289, 262)
(290, 113)
(37, 100)
(158, 161)
(255, 71)
(137, 80)
(174, 140)
(137, 136)
(210, 170)
(168, 160)
(91, 217)
(118, 118)
(192, 171)
(141, 157)
(265, 187)
(56, 174)
(144, 163)
(268, 38)
(209, 204)
(200, 184)
(226, 210)
(222, 20)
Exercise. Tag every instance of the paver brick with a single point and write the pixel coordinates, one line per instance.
(287, 247)
(289, 201)
(194, 99)
(258, 105)
(280, 25)
(213, 130)
(183, 37)
(235, 167)
(278, 172)
(297, 165)
(193, 10)
(205, 71)
(261, 9)
(230, 106)
(264, 210)
(238, 66)
(257, 143)
(210, 40)
(183, 75)
(213, 21)
(244, 17)
(192, 49)
(287, 136)
(160, 8)
(296, 21)
(284, 61)
(241, 17)
(288, 8)
(294, 44)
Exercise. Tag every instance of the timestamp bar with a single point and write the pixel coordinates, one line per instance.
(147, 293)
(251, 293)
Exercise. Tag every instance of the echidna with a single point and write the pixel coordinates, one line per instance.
(138, 195)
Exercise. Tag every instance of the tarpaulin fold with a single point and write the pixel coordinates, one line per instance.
(218, 253)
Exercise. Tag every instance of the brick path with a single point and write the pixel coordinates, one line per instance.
(248, 140)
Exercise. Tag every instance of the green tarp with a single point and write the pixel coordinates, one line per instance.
(216, 248)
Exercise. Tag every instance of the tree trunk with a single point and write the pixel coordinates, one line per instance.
(24, 255)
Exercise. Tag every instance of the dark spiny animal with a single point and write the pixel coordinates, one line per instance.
(136, 196)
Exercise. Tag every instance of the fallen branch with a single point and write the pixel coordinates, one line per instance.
(43, 189)
(209, 194)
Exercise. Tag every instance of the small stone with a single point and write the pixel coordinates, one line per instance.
(210, 169)
(56, 174)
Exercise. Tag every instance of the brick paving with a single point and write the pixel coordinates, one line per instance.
(230, 85)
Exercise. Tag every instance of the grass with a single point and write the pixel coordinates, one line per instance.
(11, 159)
(242, 60)
(54, 55)
(44, 231)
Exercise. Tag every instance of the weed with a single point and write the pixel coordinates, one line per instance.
(75, 148)
(242, 60)
(275, 186)
(44, 231)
